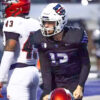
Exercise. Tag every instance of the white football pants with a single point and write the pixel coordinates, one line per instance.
(23, 83)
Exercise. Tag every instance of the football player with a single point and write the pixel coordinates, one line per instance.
(18, 57)
(63, 53)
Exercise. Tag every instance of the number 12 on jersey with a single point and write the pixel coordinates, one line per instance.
(58, 58)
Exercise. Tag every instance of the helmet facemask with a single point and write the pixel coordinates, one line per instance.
(46, 30)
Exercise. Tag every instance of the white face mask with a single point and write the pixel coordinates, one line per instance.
(11, 1)
(49, 29)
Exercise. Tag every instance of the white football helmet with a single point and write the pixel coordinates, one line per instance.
(53, 12)
(61, 94)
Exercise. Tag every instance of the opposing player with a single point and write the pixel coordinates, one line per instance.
(18, 57)
(63, 52)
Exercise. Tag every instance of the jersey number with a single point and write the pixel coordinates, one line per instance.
(9, 23)
(29, 49)
(58, 58)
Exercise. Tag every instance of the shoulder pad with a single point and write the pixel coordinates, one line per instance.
(12, 24)
(33, 24)
(74, 35)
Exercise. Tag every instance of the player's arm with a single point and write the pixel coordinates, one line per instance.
(78, 93)
(11, 41)
(85, 65)
(85, 61)
(8, 54)
(10, 45)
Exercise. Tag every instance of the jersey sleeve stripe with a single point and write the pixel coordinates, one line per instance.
(85, 38)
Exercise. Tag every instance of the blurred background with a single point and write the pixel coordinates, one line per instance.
(84, 14)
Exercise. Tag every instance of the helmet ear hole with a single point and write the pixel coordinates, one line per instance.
(63, 17)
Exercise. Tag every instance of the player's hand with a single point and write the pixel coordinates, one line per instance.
(46, 97)
(1, 85)
(78, 93)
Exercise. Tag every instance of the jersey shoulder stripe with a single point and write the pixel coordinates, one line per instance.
(85, 38)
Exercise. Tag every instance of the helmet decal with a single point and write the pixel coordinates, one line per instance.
(60, 10)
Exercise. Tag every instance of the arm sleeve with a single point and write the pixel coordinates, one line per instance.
(5, 64)
(85, 61)
(46, 73)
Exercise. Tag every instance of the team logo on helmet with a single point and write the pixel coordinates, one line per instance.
(59, 10)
